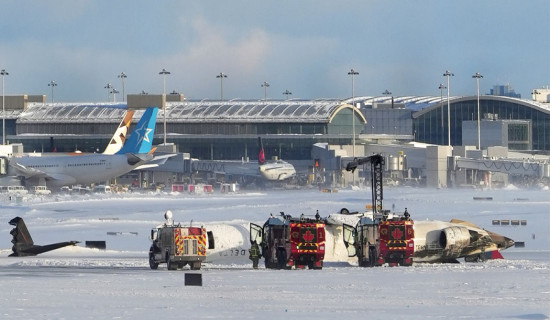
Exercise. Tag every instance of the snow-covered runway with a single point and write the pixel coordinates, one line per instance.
(83, 283)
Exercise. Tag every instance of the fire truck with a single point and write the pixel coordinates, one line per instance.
(177, 245)
(288, 242)
(379, 237)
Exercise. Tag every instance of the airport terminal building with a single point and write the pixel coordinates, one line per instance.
(213, 130)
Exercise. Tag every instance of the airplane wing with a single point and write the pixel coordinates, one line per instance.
(26, 171)
(155, 161)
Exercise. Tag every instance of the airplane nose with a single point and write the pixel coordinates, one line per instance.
(508, 243)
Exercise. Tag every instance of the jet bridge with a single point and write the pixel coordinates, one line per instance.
(513, 167)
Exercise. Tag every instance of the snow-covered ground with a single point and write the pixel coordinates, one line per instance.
(77, 282)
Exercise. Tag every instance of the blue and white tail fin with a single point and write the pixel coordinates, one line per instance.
(141, 139)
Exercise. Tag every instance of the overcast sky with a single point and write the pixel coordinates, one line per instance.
(306, 47)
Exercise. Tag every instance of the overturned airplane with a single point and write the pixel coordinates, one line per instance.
(23, 244)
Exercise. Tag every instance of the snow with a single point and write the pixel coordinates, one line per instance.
(77, 282)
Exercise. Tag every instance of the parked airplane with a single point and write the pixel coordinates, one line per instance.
(244, 170)
(66, 170)
(23, 244)
(276, 170)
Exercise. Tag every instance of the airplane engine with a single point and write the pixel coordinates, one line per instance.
(453, 240)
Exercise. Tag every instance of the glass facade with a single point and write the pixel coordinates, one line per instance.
(206, 130)
(431, 125)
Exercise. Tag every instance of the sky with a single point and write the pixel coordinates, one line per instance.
(307, 47)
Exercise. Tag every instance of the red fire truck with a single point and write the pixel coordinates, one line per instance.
(379, 237)
(288, 242)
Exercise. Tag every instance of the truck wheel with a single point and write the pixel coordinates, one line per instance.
(281, 258)
(170, 265)
(152, 263)
(372, 257)
(269, 264)
(195, 265)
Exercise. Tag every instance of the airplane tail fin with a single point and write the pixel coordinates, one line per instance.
(495, 254)
(141, 139)
(261, 156)
(119, 138)
(21, 237)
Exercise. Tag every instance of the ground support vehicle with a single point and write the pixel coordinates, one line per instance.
(288, 242)
(379, 237)
(177, 246)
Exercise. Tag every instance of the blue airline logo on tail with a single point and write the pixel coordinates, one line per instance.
(141, 139)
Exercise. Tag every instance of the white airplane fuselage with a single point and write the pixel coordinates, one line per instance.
(277, 171)
(66, 170)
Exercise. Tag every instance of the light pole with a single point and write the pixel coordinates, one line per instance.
(4, 73)
(265, 85)
(164, 73)
(287, 93)
(353, 73)
(114, 92)
(441, 87)
(221, 76)
(123, 76)
(478, 76)
(52, 84)
(108, 86)
(534, 93)
(387, 93)
(448, 74)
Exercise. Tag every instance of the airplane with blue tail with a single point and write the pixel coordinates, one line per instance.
(66, 170)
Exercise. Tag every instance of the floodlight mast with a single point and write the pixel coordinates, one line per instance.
(123, 76)
(448, 74)
(4, 73)
(52, 84)
(164, 72)
(478, 76)
(221, 76)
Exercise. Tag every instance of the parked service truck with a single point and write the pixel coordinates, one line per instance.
(177, 245)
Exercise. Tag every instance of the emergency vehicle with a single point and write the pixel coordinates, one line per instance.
(288, 242)
(379, 237)
(177, 245)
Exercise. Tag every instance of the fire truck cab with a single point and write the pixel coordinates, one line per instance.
(377, 240)
(288, 242)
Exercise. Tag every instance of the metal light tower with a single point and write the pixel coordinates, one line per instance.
(448, 74)
(4, 73)
(388, 93)
(221, 76)
(114, 92)
(353, 73)
(265, 85)
(441, 87)
(478, 76)
(164, 73)
(123, 76)
(287, 93)
(108, 86)
(52, 84)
